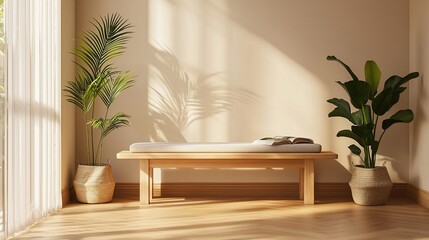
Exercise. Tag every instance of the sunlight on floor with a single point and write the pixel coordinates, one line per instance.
(176, 218)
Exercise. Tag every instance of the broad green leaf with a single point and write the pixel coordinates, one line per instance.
(392, 82)
(333, 58)
(364, 132)
(352, 135)
(408, 77)
(372, 77)
(383, 101)
(399, 89)
(402, 116)
(339, 112)
(359, 130)
(342, 109)
(340, 103)
(358, 92)
(395, 98)
(359, 116)
(397, 81)
(355, 149)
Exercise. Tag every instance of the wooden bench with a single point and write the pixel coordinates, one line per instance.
(303, 161)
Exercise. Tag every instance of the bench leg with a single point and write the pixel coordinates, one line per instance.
(145, 182)
(309, 181)
(301, 183)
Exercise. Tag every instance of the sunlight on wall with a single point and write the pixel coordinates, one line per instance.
(209, 42)
(248, 69)
(290, 99)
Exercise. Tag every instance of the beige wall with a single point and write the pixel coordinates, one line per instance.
(67, 109)
(419, 61)
(257, 68)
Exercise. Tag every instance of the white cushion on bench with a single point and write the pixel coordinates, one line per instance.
(222, 147)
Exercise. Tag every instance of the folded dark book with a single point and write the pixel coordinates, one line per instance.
(280, 140)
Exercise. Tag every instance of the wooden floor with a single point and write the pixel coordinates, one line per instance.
(234, 219)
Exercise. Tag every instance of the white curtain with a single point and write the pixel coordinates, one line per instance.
(33, 160)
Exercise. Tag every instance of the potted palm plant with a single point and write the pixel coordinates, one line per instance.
(96, 79)
(370, 184)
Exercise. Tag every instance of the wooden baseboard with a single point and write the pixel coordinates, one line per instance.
(419, 195)
(263, 190)
(67, 195)
(399, 190)
(126, 190)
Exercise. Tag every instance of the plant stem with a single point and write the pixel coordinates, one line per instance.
(367, 161)
(382, 134)
(92, 135)
(373, 154)
(100, 141)
(87, 137)
(375, 126)
(365, 118)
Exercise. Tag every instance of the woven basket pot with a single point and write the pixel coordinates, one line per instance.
(94, 184)
(370, 186)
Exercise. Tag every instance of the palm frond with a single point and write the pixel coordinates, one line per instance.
(115, 122)
(107, 125)
(97, 123)
(116, 84)
(74, 94)
(104, 43)
(78, 92)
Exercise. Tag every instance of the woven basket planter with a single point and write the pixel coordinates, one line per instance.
(370, 186)
(94, 184)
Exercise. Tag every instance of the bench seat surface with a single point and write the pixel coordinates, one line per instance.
(157, 147)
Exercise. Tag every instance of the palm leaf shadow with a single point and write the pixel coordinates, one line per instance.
(176, 101)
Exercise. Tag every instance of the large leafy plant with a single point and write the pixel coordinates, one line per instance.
(96, 78)
(369, 106)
